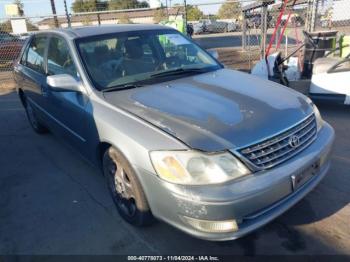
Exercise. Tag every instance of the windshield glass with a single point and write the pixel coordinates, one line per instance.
(126, 58)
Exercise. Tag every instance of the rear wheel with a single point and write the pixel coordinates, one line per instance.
(125, 189)
(32, 118)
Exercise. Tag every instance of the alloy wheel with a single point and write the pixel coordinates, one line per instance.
(122, 189)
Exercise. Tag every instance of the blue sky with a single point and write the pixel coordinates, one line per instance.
(36, 7)
(43, 7)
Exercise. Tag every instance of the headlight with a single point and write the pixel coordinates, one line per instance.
(319, 120)
(196, 168)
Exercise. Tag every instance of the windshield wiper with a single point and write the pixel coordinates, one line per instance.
(122, 87)
(140, 83)
(180, 71)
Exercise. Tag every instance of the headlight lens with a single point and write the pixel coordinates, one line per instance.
(196, 168)
(319, 120)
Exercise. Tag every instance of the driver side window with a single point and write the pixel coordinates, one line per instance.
(59, 60)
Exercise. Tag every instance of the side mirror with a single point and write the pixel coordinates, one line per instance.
(214, 53)
(63, 83)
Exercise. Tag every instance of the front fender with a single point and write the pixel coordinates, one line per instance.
(134, 137)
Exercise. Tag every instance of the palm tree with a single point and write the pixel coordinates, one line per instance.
(19, 6)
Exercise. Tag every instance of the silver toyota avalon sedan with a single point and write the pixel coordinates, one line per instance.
(214, 152)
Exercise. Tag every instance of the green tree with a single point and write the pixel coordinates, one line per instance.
(143, 4)
(88, 6)
(230, 10)
(212, 17)
(193, 13)
(126, 4)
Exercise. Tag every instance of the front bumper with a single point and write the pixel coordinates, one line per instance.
(252, 202)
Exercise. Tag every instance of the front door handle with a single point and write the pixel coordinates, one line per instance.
(44, 90)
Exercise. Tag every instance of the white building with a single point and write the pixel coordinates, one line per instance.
(137, 17)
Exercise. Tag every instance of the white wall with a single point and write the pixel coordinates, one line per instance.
(139, 20)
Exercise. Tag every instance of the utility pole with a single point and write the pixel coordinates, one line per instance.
(166, 6)
(53, 7)
(67, 15)
(98, 14)
(185, 5)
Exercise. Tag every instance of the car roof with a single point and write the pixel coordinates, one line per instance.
(79, 32)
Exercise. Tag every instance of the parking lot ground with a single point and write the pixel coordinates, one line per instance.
(52, 202)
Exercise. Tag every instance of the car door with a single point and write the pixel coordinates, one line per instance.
(67, 108)
(30, 72)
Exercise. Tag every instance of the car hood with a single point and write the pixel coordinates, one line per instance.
(215, 111)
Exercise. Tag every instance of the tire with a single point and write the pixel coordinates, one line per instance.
(125, 188)
(32, 118)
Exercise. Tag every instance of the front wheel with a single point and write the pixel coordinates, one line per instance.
(33, 119)
(125, 189)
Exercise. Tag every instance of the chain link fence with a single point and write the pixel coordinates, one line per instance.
(240, 30)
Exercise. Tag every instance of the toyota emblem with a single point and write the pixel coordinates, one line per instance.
(294, 141)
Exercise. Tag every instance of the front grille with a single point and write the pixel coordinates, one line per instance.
(274, 151)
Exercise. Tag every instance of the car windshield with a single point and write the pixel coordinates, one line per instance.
(120, 59)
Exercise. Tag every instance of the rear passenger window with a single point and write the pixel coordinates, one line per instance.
(35, 54)
(59, 60)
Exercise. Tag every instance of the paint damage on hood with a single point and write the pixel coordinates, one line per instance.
(215, 111)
